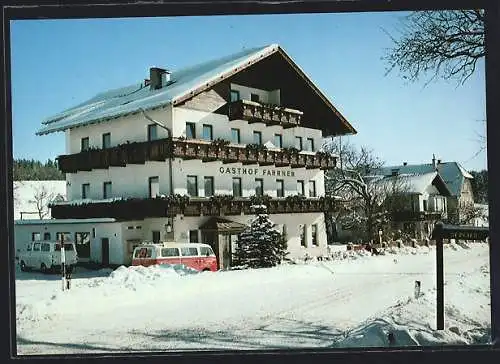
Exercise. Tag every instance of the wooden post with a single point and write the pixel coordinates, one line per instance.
(63, 262)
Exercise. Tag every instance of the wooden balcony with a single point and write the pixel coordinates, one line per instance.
(418, 216)
(137, 208)
(162, 149)
(254, 112)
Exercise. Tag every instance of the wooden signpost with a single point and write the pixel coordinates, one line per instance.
(443, 231)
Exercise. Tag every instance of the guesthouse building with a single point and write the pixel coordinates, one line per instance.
(184, 155)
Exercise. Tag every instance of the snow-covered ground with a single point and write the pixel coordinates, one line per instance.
(355, 300)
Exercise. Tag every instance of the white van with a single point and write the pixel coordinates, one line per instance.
(46, 255)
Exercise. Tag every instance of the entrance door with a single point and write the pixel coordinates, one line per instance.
(105, 251)
(225, 250)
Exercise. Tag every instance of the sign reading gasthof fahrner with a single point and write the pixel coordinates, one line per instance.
(256, 171)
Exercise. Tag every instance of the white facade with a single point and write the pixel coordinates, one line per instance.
(133, 180)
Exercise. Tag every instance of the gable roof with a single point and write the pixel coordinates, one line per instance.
(185, 83)
(452, 173)
(415, 183)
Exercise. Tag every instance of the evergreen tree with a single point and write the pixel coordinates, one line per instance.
(260, 245)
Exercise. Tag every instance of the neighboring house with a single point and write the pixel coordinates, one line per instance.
(457, 179)
(415, 202)
(122, 165)
(31, 198)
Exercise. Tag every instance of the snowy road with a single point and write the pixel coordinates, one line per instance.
(316, 305)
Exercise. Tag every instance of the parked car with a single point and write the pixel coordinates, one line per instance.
(194, 255)
(46, 256)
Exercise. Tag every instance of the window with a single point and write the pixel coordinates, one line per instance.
(257, 137)
(152, 132)
(207, 132)
(106, 190)
(278, 140)
(156, 236)
(36, 247)
(143, 253)
(192, 186)
(280, 191)
(314, 234)
(310, 144)
(259, 186)
(170, 252)
(190, 131)
(193, 236)
(46, 236)
(154, 186)
(209, 186)
(254, 97)
(189, 252)
(206, 251)
(45, 247)
(302, 235)
(236, 187)
(235, 136)
(300, 188)
(66, 236)
(28, 247)
(106, 140)
(312, 188)
(84, 144)
(425, 205)
(82, 241)
(35, 236)
(86, 190)
(235, 95)
(298, 142)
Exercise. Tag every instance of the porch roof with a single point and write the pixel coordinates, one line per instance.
(223, 225)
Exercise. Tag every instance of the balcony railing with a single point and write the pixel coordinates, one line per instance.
(162, 149)
(254, 112)
(418, 215)
(137, 208)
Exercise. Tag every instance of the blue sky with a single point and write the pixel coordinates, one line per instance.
(57, 64)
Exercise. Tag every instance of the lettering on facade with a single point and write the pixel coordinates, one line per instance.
(256, 172)
(467, 235)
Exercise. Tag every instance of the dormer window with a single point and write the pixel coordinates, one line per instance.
(254, 97)
(84, 144)
(106, 140)
(235, 95)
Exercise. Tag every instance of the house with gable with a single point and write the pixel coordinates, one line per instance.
(183, 156)
(414, 202)
(456, 178)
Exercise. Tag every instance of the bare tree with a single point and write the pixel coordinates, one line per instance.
(448, 43)
(361, 200)
(469, 212)
(41, 198)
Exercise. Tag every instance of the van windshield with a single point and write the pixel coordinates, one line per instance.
(66, 247)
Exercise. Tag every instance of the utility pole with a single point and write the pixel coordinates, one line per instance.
(63, 263)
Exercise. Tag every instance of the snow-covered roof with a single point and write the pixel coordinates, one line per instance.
(413, 183)
(452, 173)
(184, 83)
(64, 221)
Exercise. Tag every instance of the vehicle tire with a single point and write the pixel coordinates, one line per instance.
(43, 268)
(206, 270)
(23, 266)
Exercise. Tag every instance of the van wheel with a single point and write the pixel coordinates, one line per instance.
(43, 268)
(23, 266)
(206, 270)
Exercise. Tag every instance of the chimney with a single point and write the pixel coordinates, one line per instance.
(433, 161)
(405, 163)
(158, 77)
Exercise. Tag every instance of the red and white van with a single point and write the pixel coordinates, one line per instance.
(197, 256)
